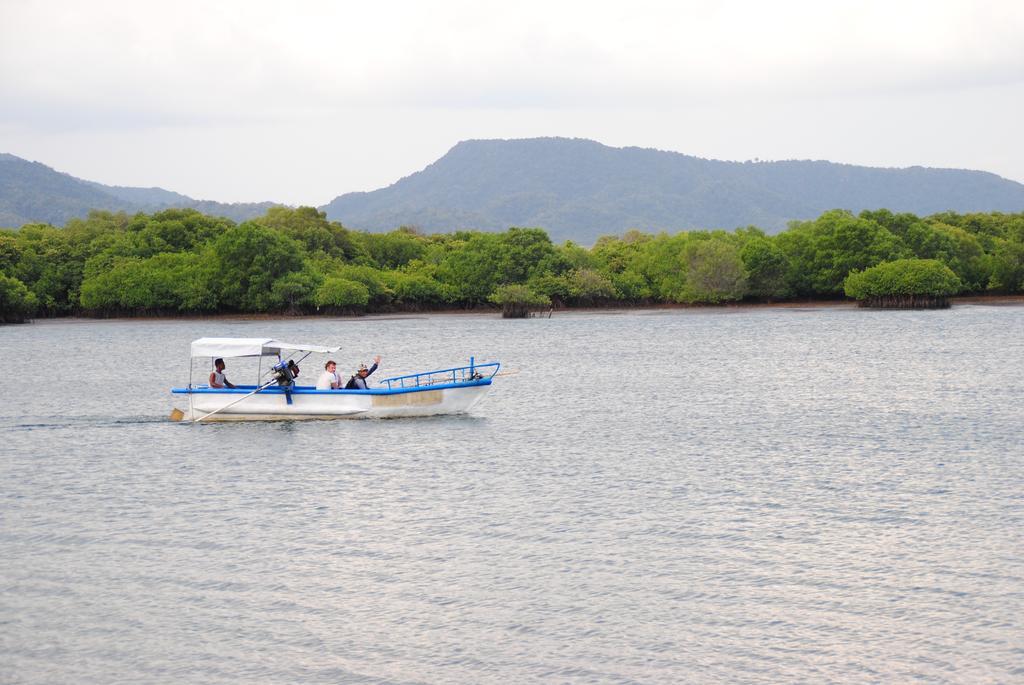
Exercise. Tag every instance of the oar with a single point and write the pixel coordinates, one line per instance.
(231, 404)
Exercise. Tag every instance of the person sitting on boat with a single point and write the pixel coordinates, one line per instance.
(294, 368)
(217, 377)
(329, 379)
(358, 381)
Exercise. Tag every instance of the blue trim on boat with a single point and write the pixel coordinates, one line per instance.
(311, 390)
(458, 374)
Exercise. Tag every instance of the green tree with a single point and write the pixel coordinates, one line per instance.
(822, 252)
(10, 253)
(17, 302)
(517, 300)
(50, 265)
(380, 294)
(904, 283)
(470, 267)
(631, 286)
(395, 249)
(168, 282)
(556, 287)
(182, 260)
(954, 247)
(587, 286)
(342, 295)
(309, 227)
(714, 272)
(415, 289)
(897, 224)
(615, 255)
(1007, 267)
(250, 258)
(767, 268)
(177, 230)
(660, 263)
(296, 290)
(520, 251)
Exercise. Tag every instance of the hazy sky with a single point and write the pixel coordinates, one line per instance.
(299, 102)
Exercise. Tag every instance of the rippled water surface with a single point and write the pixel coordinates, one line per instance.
(656, 497)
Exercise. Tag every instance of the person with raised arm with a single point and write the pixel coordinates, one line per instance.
(358, 380)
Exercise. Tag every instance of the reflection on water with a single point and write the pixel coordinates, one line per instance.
(758, 496)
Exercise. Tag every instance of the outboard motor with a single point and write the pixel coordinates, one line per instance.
(283, 374)
(284, 378)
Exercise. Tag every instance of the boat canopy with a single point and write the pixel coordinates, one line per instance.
(250, 347)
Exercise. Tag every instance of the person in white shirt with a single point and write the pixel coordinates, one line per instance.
(217, 377)
(329, 379)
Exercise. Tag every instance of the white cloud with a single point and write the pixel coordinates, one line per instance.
(191, 80)
(266, 59)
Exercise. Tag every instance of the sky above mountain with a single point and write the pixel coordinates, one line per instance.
(246, 100)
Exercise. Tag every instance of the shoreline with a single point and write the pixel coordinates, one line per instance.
(800, 305)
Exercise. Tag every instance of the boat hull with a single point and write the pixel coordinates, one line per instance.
(275, 404)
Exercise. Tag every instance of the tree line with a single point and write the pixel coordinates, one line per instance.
(180, 261)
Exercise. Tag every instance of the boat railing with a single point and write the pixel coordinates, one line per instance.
(459, 374)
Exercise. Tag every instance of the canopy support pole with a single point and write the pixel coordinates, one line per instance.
(191, 412)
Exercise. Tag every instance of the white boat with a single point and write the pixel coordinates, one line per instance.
(444, 391)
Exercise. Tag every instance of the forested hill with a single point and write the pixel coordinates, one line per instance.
(33, 192)
(579, 189)
(575, 189)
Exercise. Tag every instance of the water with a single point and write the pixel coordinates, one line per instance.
(660, 497)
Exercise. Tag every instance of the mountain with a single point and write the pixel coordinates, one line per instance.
(576, 189)
(579, 189)
(33, 192)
